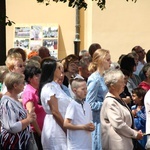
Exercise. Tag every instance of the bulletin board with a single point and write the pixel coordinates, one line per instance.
(28, 36)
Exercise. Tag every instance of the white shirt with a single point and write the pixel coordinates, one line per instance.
(53, 137)
(79, 139)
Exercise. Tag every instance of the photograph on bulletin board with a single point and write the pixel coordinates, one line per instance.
(29, 36)
(22, 32)
(50, 32)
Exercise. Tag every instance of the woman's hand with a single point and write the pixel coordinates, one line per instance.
(31, 116)
(139, 135)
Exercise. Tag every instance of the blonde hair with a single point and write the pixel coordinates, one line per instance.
(11, 59)
(97, 59)
(11, 78)
(3, 71)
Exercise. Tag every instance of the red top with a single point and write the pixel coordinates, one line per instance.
(144, 85)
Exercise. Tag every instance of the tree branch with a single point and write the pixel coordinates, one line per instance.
(79, 3)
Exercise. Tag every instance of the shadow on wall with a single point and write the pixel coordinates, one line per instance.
(62, 50)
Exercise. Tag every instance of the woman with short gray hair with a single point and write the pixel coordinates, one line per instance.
(15, 130)
(116, 120)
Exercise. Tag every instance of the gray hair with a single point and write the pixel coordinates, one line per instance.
(85, 61)
(112, 76)
(83, 52)
(12, 78)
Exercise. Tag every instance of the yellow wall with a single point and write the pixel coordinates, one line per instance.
(117, 28)
(120, 26)
(29, 11)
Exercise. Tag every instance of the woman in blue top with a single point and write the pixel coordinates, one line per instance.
(97, 90)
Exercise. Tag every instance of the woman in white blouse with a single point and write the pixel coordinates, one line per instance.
(54, 101)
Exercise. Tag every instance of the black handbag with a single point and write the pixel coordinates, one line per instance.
(137, 145)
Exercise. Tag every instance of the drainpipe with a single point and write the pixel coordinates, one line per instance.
(77, 33)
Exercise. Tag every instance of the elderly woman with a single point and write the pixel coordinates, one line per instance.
(15, 132)
(116, 118)
(14, 63)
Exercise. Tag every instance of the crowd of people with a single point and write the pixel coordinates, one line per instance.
(81, 102)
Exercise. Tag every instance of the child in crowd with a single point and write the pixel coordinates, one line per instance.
(78, 118)
(138, 112)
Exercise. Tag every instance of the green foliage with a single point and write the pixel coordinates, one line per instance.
(9, 22)
(132, 1)
(79, 3)
(6, 20)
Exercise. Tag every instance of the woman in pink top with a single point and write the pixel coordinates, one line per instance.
(30, 99)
